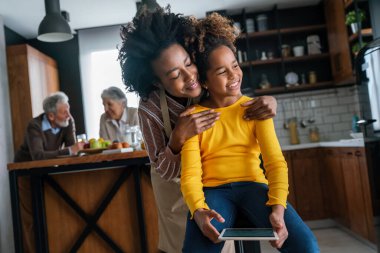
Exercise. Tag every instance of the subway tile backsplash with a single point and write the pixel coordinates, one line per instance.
(331, 110)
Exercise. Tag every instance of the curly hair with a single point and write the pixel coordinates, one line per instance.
(144, 39)
(212, 32)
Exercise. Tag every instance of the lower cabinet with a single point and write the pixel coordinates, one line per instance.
(332, 183)
(305, 182)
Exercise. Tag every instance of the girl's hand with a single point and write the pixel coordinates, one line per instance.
(189, 125)
(276, 218)
(203, 219)
(260, 108)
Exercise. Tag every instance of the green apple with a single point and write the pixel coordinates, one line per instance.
(95, 144)
(106, 143)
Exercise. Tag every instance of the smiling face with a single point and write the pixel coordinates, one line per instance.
(177, 73)
(224, 77)
(113, 108)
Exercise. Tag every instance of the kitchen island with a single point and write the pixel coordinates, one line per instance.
(93, 203)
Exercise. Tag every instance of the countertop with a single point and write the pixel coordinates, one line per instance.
(340, 143)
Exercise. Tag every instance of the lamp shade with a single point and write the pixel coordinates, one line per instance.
(54, 28)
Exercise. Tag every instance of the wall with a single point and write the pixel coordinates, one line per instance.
(6, 151)
(332, 110)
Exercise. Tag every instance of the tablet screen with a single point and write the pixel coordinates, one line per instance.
(248, 234)
(257, 232)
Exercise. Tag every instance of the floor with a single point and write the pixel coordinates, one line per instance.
(331, 240)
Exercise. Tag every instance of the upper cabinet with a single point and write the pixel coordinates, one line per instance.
(348, 25)
(305, 48)
(286, 50)
(32, 76)
(337, 36)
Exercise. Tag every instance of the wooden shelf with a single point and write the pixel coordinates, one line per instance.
(367, 32)
(307, 57)
(287, 59)
(302, 29)
(274, 32)
(259, 34)
(301, 87)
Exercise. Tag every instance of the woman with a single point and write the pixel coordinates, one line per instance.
(221, 171)
(155, 64)
(117, 116)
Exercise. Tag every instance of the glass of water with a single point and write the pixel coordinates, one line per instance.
(81, 138)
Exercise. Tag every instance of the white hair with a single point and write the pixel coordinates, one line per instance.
(114, 93)
(50, 103)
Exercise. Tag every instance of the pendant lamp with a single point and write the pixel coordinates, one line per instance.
(150, 5)
(54, 27)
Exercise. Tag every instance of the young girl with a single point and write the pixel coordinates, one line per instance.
(221, 171)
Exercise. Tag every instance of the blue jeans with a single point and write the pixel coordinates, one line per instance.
(249, 198)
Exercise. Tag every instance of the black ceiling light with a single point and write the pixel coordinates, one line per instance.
(54, 27)
(150, 5)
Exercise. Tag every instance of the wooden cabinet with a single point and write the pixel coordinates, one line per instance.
(332, 183)
(32, 76)
(285, 27)
(306, 181)
(334, 192)
(357, 190)
(344, 44)
(337, 35)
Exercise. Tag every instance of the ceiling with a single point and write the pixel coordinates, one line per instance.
(24, 16)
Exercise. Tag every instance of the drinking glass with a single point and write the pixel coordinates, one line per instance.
(81, 138)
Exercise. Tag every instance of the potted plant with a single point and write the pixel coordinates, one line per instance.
(353, 18)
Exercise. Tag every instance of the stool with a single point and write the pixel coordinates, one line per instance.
(245, 246)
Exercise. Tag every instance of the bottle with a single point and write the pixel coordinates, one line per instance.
(312, 77)
(294, 139)
(354, 126)
(314, 134)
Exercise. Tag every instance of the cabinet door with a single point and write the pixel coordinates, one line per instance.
(334, 189)
(307, 182)
(43, 78)
(355, 195)
(338, 41)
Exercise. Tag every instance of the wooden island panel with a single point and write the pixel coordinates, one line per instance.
(88, 189)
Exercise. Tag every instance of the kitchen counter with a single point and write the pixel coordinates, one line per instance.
(340, 143)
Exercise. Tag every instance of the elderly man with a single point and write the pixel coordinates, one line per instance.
(50, 134)
(47, 136)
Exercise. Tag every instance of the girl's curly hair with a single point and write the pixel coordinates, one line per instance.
(144, 39)
(212, 32)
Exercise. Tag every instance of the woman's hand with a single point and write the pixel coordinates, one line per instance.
(260, 108)
(203, 219)
(276, 218)
(189, 125)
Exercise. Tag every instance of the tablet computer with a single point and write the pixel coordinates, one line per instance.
(248, 234)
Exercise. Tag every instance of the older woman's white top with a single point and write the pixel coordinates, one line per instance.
(110, 129)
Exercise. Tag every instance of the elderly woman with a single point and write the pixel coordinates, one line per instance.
(117, 116)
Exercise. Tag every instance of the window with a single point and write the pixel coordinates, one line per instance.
(100, 69)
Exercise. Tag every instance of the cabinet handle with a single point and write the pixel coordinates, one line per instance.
(349, 153)
(358, 153)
